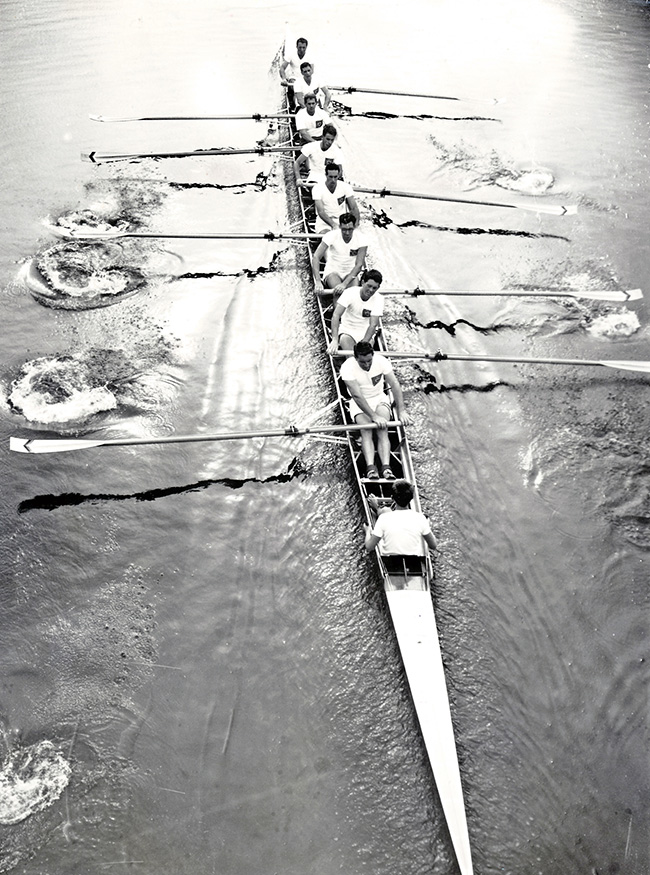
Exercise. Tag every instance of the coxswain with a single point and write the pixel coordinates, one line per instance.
(366, 374)
(399, 530)
(315, 156)
(332, 198)
(357, 313)
(290, 66)
(344, 251)
(306, 84)
(310, 120)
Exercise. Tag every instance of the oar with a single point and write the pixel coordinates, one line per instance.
(98, 157)
(256, 117)
(117, 235)
(642, 367)
(549, 209)
(592, 294)
(30, 445)
(350, 89)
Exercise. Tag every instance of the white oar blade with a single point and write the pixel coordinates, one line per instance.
(641, 367)
(547, 209)
(22, 445)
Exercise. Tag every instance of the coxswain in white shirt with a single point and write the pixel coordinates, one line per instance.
(344, 251)
(365, 375)
(331, 199)
(310, 120)
(307, 84)
(315, 156)
(399, 530)
(357, 313)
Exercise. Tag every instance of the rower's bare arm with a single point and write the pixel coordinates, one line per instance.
(320, 210)
(431, 541)
(300, 98)
(398, 397)
(283, 70)
(305, 136)
(336, 321)
(358, 266)
(315, 265)
(372, 328)
(297, 167)
(358, 397)
(327, 97)
(353, 208)
(371, 540)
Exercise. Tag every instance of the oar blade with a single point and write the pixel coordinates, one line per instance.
(31, 446)
(639, 367)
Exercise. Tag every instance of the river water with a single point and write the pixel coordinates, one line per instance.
(198, 670)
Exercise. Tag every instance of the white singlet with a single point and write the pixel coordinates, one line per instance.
(401, 532)
(341, 256)
(356, 317)
(334, 203)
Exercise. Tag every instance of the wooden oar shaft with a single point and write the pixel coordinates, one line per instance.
(594, 294)
(550, 209)
(188, 118)
(351, 89)
(99, 157)
(625, 365)
(117, 235)
(21, 445)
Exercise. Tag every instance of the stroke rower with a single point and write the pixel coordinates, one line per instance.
(399, 530)
(366, 375)
(331, 199)
(310, 120)
(357, 313)
(315, 156)
(306, 84)
(344, 251)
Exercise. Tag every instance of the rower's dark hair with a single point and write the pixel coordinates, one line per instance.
(402, 493)
(362, 347)
(305, 64)
(346, 219)
(373, 275)
(332, 165)
(329, 129)
(310, 96)
(302, 39)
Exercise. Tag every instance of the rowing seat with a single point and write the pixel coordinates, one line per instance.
(405, 572)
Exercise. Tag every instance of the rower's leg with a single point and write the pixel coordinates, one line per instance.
(383, 438)
(367, 439)
(346, 341)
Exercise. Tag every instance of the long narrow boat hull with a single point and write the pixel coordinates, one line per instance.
(407, 583)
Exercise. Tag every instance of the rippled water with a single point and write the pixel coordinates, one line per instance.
(199, 674)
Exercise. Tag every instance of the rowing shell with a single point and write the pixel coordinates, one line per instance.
(407, 583)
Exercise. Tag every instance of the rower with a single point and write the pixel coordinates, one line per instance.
(344, 251)
(306, 84)
(315, 156)
(399, 530)
(357, 313)
(365, 375)
(332, 198)
(290, 66)
(310, 119)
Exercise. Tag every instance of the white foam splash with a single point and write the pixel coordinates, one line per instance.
(620, 324)
(53, 391)
(31, 779)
